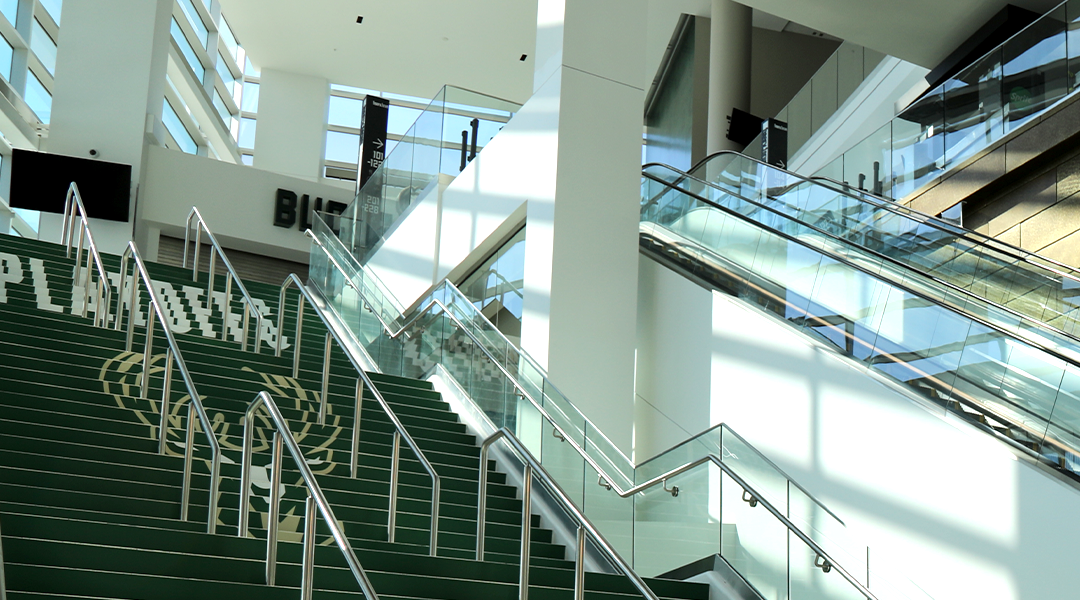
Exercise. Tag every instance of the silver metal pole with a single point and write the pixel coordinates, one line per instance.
(281, 318)
(354, 459)
(325, 378)
(189, 452)
(210, 296)
(247, 325)
(148, 350)
(481, 505)
(579, 568)
(187, 240)
(307, 576)
(296, 342)
(395, 457)
(163, 429)
(195, 263)
(526, 533)
(215, 482)
(275, 510)
(133, 308)
(120, 296)
(78, 256)
(245, 477)
(435, 516)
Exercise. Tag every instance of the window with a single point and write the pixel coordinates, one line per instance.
(342, 147)
(250, 101)
(44, 47)
(223, 110)
(196, 21)
(222, 67)
(176, 129)
(187, 51)
(249, 69)
(247, 133)
(10, 10)
(53, 7)
(401, 118)
(345, 112)
(247, 159)
(227, 37)
(37, 97)
(6, 54)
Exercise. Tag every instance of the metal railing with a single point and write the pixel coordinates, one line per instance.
(316, 498)
(156, 315)
(364, 380)
(605, 480)
(73, 207)
(217, 251)
(585, 528)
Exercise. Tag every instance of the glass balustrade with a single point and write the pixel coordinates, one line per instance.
(457, 124)
(654, 530)
(999, 93)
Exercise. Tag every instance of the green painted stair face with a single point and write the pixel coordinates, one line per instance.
(82, 488)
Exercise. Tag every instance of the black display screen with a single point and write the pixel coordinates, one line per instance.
(40, 181)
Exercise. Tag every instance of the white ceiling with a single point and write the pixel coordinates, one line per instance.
(416, 46)
(404, 46)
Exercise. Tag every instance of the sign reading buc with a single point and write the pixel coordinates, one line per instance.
(290, 208)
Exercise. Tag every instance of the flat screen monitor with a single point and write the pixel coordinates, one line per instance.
(40, 181)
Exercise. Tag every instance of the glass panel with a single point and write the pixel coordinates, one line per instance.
(346, 112)
(231, 85)
(247, 133)
(247, 159)
(918, 144)
(227, 37)
(37, 97)
(53, 7)
(973, 110)
(824, 93)
(43, 47)
(222, 109)
(342, 147)
(6, 54)
(10, 10)
(249, 69)
(1034, 70)
(400, 119)
(176, 129)
(196, 21)
(752, 540)
(250, 100)
(187, 51)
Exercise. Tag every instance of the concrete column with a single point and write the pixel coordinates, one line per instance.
(110, 83)
(291, 129)
(729, 68)
(581, 249)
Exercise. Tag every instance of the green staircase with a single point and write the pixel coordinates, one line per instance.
(88, 508)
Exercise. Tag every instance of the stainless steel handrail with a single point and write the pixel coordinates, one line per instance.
(400, 432)
(195, 405)
(533, 467)
(217, 251)
(73, 206)
(315, 498)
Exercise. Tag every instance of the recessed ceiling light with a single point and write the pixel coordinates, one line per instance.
(359, 19)
(523, 57)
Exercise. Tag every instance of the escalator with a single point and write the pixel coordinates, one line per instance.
(976, 329)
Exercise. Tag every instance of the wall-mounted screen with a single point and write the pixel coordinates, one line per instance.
(40, 181)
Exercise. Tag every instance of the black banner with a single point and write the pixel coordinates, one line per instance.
(774, 143)
(372, 137)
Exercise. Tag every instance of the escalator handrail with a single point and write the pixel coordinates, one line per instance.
(898, 285)
(907, 211)
(1059, 352)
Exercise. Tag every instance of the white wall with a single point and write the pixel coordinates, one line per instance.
(949, 506)
(237, 202)
(290, 130)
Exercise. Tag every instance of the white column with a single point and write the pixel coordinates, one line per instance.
(729, 69)
(581, 245)
(291, 127)
(110, 82)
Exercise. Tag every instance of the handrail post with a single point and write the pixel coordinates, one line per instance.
(325, 378)
(296, 342)
(210, 297)
(395, 457)
(195, 261)
(579, 568)
(133, 308)
(307, 575)
(228, 310)
(435, 493)
(275, 510)
(189, 452)
(78, 256)
(187, 238)
(163, 428)
(148, 350)
(281, 317)
(526, 532)
(354, 458)
(481, 494)
(245, 473)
